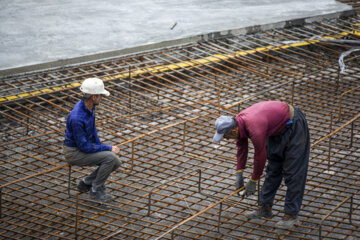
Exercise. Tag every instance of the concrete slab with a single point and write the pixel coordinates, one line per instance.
(41, 34)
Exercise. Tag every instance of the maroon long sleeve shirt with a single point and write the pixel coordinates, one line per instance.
(258, 122)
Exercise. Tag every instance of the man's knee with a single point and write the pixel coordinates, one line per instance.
(117, 163)
(114, 159)
(274, 168)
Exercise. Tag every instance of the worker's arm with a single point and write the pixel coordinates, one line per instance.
(258, 138)
(239, 179)
(257, 134)
(114, 149)
(242, 151)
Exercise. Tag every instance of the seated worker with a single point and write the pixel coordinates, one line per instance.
(82, 146)
(279, 132)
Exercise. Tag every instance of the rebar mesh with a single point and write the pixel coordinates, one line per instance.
(161, 112)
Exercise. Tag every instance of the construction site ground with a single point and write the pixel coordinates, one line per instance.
(175, 183)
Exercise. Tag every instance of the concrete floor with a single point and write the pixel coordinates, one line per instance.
(40, 34)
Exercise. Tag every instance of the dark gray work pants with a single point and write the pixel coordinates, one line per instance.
(288, 158)
(106, 161)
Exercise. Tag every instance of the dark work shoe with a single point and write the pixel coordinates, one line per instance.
(265, 212)
(100, 195)
(288, 222)
(83, 187)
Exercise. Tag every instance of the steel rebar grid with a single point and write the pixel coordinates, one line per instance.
(35, 202)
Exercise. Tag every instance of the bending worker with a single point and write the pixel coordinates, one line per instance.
(82, 146)
(279, 132)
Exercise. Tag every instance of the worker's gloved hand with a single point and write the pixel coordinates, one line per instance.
(239, 180)
(250, 188)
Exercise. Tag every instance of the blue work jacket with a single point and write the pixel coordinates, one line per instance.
(81, 130)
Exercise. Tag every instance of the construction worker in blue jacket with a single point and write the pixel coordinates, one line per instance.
(82, 146)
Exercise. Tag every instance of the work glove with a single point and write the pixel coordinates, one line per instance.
(239, 180)
(250, 188)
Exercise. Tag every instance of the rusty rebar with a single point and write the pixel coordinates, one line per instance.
(161, 114)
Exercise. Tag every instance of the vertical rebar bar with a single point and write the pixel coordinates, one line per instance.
(199, 183)
(77, 215)
(0, 203)
(219, 219)
(292, 92)
(184, 136)
(219, 102)
(69, 180)
(351, 207)
(341, 99)
(337, 81)
(330, 138)
(130, 89)
(132, 155)
(27, 122)
(352, 134)
(259, 191)
(340, 103)
(149, 204)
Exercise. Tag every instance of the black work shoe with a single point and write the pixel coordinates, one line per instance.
(265, 212)
(100, 195)
(83, 187)
(288, 222)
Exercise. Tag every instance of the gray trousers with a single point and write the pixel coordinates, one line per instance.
(106, 161)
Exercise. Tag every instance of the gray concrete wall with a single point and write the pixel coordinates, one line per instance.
(42, 34)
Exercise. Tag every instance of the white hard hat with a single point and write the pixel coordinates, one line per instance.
(93, 86)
